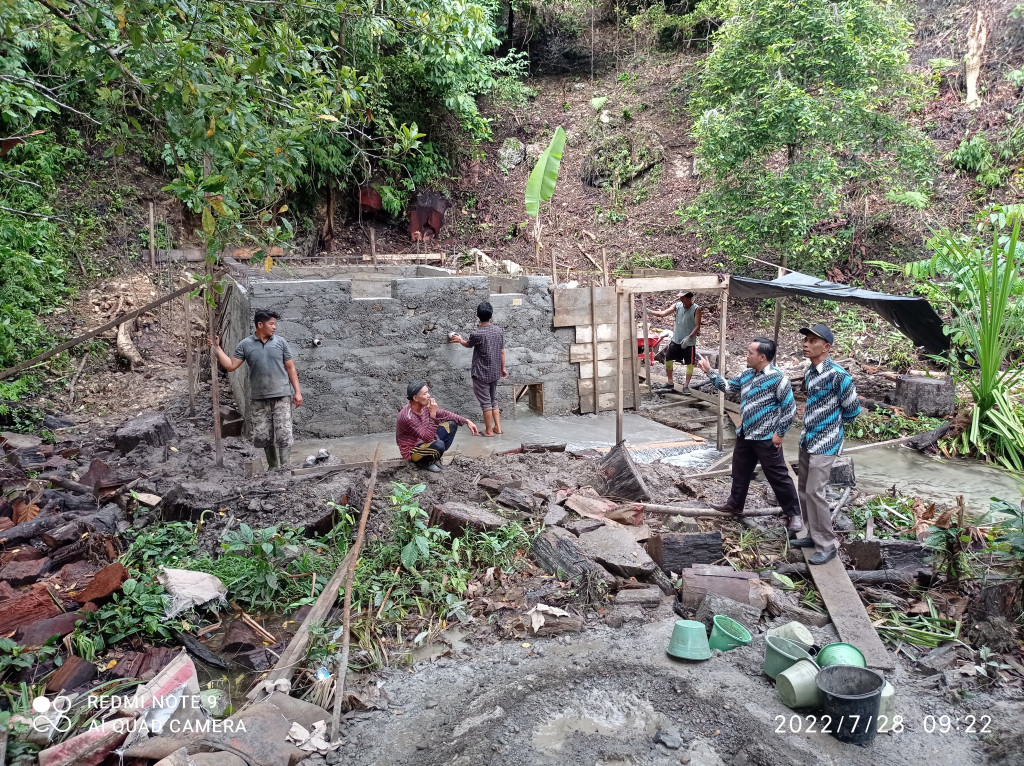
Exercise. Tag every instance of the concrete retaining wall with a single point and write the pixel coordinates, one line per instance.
(370, 346)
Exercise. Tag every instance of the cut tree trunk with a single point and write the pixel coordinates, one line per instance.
(28, 607)
(126, 348)
(63, 535)
(29, 529)
(38, 633)
(934, 397)
(153, 428)
(558, 552)
(976, 39)
(622, 480)
(456, 518)
(18, 573)
(107, 581)
(73, 673)
(676, 551)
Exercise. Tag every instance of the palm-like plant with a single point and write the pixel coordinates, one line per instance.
(989, 328)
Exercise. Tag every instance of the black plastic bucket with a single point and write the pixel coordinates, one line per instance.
(850, 697)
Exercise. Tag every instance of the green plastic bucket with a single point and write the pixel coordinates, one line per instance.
(841, 654)
(728, 634)
(797, 685)
(781, 653)
(689, 641)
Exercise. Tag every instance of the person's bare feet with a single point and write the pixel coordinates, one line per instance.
(497, 430)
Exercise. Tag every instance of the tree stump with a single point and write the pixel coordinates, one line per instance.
(842, 474)
(933, 397)
(621, 478)
(456, 518)
(676, 551)
(151, 428)
(557, 551)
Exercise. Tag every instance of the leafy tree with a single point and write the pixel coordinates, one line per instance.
(798, 98)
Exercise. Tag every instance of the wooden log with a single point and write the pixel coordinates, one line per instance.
(676, 551)
(39, 632)
(75, 672)
(934, 397)
(924, 441)
(779, 606)
(699, 580)
(18, 573)
(196, 648)
(240, 637)
(621, 479)
(554, 625)
(34, 528)
(456, 518)
(126, 347)
(151, 428)
(557, 551)
(544, 447)
(842, 473)
(702, 512)
(585, 505)
(878, 577)
(107, 581)
(63, 535)
(29, 606)
(516, 499)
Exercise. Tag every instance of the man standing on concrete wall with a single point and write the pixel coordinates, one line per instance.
(273, 386)
(424, 431)
(767, 408)
(683, 346)
(488, 344)
(831, 402)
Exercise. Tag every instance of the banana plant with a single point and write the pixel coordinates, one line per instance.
(541, 185)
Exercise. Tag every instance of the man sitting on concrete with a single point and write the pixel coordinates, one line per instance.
(767, 408)
(273, 386)
(424, 432)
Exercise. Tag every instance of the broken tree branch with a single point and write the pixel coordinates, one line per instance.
(347, 606)
(698, 511)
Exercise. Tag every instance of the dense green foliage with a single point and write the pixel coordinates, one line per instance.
(252, 102)
(795, 100)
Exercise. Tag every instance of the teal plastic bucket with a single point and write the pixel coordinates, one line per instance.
(780, 654)
(689, 641)
(841, 654)
(728, 634)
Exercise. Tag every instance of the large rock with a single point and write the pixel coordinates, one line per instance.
(746, 615)
(558, 551)
(511, 154)
(933, 397)
(150, 428)
(621, 158)
(614, 548)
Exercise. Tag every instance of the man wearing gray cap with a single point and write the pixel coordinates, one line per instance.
(683, 346)
(831, 402)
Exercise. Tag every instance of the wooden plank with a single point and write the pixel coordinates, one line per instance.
(710, 398)
(634, 360)
(847, 612)
(606, 401)
(594, 404)
(573, 306)
(405, 257)
(605, 369)
(584, 352)
(191, 255)
(665, 284)
(605, 333)
(724, 313)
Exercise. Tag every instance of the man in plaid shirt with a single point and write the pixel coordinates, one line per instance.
(424, 432)
(488, 344)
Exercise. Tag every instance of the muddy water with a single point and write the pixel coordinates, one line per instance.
(879, 470)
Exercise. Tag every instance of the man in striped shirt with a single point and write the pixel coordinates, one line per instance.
(424, 431)
(831, 402)
(767, 408)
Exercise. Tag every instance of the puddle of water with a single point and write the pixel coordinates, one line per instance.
(609, 714)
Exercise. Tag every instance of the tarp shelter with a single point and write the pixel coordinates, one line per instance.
(914, 317)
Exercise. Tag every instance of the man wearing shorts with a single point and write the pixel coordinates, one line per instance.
(424, 431)
(683, 347)
(273, 386)
(488, 344)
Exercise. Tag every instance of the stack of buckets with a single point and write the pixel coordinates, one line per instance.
(837, 681)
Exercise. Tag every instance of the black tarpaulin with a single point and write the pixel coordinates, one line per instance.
(914, 317)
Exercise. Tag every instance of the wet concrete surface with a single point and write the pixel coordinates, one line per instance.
(578, 431)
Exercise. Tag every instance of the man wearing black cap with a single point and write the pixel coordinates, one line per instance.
(683, 346)
(831, 402)
(424, 432)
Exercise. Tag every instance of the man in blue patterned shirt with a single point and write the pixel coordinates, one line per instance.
(831, 402)
(767, 408)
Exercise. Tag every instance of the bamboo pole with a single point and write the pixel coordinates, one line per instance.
(593, 341)
(604, 267)
(634, 362)
(701, 512)
(218, 448)
(778, 303)
(188, 358)
(152, 238)
(724, 313)
(618, 366)
(647, 337)
(346, 609)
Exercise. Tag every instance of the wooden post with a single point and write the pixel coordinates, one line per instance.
(647, 336)
(618, 366)
(152, 238)
(373, 245)
(724, 313)
(214, 392)
(593, 341)
(604, 267)
(476, 260)
(778, 303)
(634, 363)
(554, 269)
(188, 358)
